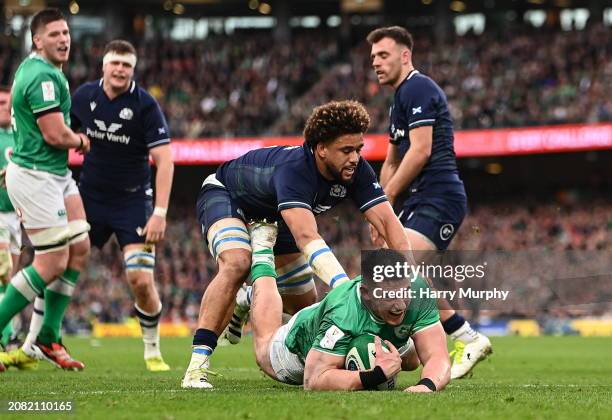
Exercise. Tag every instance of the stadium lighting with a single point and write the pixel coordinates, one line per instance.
(253, 4)
(178, 9)
(426, 2)
(74, 7)
(168, 5)
(265, 8)
(457, 6)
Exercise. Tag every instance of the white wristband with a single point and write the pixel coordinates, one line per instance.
(160, 211)
(324, 263)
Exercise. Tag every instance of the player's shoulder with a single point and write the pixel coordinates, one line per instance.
(343, 305)
(418, 84)
(34, 69)
(142, 95)
(87, 88)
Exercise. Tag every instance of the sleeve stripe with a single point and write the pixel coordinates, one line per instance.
(317, 253)
(422, 121)
(46, 108)
(374, 201)
(426, 327)
(158, 143)
(336, 278)
(294, 204)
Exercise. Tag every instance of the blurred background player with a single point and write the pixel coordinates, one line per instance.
(312, 347)
(126, 125)
(45, 196)
(10, 229)
(421, 160)
(290, 185)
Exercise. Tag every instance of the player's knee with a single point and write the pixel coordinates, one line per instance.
(80, 252)
(140, 282)
(235, 264)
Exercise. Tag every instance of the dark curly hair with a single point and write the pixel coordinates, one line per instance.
(334, 119)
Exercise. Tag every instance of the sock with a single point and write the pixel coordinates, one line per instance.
(7, 332)
(453, 323)
(57, 298)
(38, 313)
(206, 339)
(465, 333)
(24, 287)
(149, 323)
(262, 264)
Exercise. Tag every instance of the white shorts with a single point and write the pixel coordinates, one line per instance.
(10, 231)
(38, 196)
(288, 367)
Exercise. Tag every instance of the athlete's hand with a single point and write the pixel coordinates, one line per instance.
(376, 238)
(390, 362)
(155, 229)
(418, 389)
(85, 146)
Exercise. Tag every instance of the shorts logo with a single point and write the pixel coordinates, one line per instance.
(61, 212)
(126, 114)
(403, 331)
(446, 231)
(338, 190)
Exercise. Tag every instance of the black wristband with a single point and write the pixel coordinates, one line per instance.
(81, 145)
(370, 379)
(428, 383)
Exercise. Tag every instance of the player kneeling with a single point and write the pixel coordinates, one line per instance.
(311, 349)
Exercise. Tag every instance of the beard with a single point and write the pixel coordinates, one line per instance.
(337, 175)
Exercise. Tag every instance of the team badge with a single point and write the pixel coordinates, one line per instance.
(338, 190)
(402, 331)
(126, 114)
(446, 231)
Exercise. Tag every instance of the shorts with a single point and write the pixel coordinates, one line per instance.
(121, 216)
(10, 231)
(38, 196)
(288, 367)
(436, 218)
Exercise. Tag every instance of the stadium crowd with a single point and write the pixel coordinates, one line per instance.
(249, 84)
(185, 266)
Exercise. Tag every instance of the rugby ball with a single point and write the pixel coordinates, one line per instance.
(362, 356)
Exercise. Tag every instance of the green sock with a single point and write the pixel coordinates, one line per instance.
(57, 298)
(6, 334)
(23, 288)
(263, 264)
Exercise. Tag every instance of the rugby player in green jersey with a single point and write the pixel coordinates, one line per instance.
(45, 196)
(311, 348)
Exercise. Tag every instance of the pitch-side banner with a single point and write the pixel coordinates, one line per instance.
(469, 143)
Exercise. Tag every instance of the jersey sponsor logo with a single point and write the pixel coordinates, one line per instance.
(331, 337)
(92, 105)
(416, 110)
(338, 190)
(48, 91)
(402, 331)
(107, 133)
(126, 114)
(320, 209)
(446, 231)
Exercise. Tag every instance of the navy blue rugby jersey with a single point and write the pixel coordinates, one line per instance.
(122, 132)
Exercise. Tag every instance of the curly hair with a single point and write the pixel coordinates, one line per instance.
(334, 119)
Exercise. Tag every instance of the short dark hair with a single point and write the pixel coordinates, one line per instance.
(396, 33)
(43, 17)
(120, 46)
(334, 119)
(379, 257)
(5, 89)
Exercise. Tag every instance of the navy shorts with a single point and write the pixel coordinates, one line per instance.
(215, 203)
(121, 216)
(437, 218)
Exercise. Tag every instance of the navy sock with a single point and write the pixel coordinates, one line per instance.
(453, 323)
(204, 337)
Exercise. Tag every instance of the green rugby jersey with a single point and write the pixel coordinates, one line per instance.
(38, 87)
(330, 325)
(6, 145)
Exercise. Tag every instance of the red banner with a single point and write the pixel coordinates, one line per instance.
(469, 143)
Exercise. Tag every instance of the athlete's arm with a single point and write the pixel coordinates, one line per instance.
(390, 165)
(325, 372)
(430, 344)
(302, 224)
(414, 160)
(156, 225)
(386, 223)
(57, 134)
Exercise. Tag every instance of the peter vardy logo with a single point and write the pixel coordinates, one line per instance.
(104, 132)
(338, 190)
(416, 110)
(111, 128)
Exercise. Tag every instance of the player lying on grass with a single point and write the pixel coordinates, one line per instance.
(311, 348)
(289, 185)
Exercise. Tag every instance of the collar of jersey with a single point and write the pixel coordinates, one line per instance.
(412, 73)
(37, 56)
(372, 316)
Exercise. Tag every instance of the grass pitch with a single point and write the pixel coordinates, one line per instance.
(547, 377)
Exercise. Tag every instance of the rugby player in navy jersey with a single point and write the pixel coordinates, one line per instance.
(288, 185)
(421, 160)
(126, 126)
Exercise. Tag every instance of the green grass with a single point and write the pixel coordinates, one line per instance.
(548, 377)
